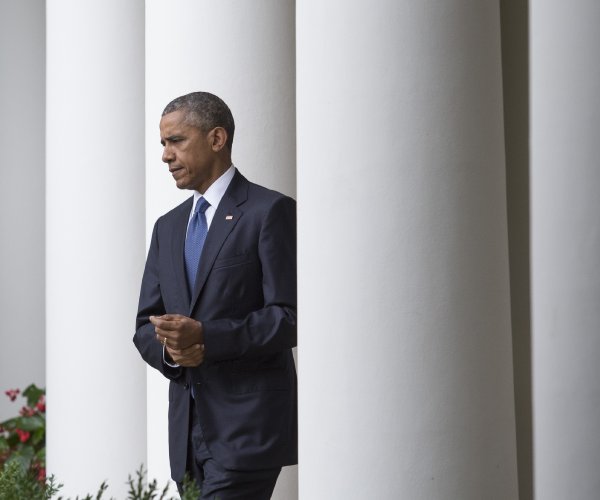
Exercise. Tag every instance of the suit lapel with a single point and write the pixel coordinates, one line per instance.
(179, 232)
(225, 219)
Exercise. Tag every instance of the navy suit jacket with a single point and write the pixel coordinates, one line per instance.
(245, 297)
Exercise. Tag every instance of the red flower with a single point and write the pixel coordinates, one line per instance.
(41, 474)
(23, 435)
(26, 411)
(12, 393)
(41, 404)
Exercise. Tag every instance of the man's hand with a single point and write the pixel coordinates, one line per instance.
(177, 332)
(190, 357)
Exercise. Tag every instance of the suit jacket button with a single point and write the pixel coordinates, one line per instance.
(187, 386)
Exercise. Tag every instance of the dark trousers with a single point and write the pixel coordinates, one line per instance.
(217, 482)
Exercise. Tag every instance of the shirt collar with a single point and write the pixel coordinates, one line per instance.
(216, 190)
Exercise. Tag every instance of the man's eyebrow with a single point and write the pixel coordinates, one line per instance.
(171, 138)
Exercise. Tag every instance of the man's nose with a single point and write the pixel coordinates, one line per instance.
(167, 155)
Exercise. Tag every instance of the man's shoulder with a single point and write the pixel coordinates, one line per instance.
(264, 195)
(263, 203)
(256, 191)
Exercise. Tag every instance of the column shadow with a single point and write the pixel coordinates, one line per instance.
(514, 16)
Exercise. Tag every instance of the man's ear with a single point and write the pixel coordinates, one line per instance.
(218, 138)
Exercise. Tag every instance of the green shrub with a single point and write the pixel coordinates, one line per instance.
(23, 438)
(23, 459)
(19, 483)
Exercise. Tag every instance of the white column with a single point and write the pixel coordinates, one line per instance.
(244, 53)
(95, 242)
(22, 101)
(565, 247)
(404, 343)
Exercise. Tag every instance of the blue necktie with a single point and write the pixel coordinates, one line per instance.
(194, 241)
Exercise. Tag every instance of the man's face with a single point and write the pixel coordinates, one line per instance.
(188, 152)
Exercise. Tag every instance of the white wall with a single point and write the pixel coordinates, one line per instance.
(22, 202)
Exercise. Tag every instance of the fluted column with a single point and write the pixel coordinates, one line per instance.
(404, 344)
(22, 101)
(565, 247)
(95, 242)
(244, 53)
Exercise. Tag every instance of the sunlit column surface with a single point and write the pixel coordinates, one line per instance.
(404, 346)
(565, 247)
(95, 242)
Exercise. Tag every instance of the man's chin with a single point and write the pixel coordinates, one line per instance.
(181, 184)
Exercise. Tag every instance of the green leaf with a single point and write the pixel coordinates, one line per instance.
(38, 437)
(52, 487)
(4, 447)
(31, 423)
(12, 440)
(22, 457)
(33, 393)
(191, 491)
(103, 488)
(10, 424)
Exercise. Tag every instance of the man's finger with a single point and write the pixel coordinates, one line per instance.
(165, 324)
(170, 334)
(188, 351)
(193, 349)
(166, 339)
(194, 355)
(171, 317)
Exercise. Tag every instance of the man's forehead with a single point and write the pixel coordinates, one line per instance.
(172, 122)
(173, 117)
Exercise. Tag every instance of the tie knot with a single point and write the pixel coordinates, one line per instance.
(201, 205)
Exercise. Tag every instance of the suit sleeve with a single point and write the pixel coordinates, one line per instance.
(272, 328)
(151, 304)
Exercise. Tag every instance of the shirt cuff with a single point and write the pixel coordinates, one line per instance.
(167, 359)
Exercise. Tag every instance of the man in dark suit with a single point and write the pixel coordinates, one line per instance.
(217, 311)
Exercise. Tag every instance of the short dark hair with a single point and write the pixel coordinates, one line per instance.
(205, 111)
